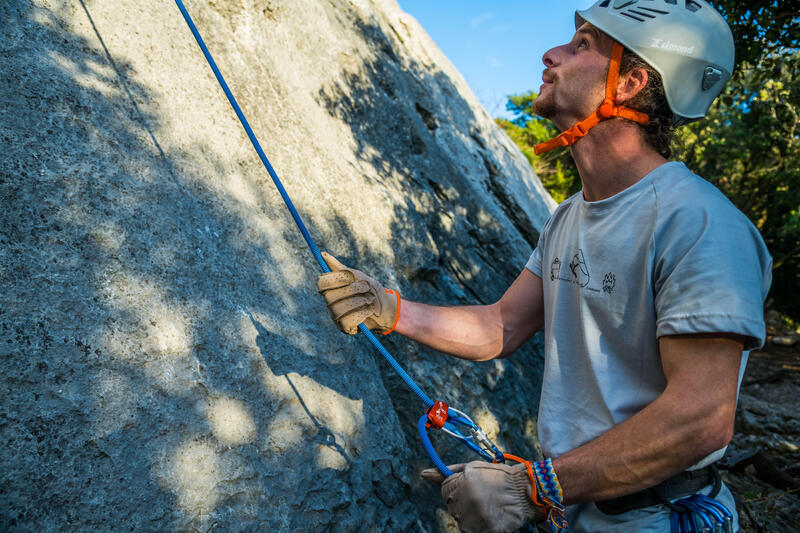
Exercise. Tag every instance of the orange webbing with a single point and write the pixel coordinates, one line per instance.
(607, 109)
(534, 491)
(613, 72)
(397, 316)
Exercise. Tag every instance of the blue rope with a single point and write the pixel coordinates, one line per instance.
(426, 443)
(288, 201)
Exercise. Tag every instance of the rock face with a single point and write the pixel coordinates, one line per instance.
(166, 361)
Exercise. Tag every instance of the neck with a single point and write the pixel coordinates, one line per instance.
(609, 166)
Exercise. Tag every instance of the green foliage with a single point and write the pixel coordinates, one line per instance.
(749, 144)
(760, 29)
(748, 147)
(556, 169)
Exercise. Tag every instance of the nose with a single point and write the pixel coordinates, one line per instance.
(551, 57)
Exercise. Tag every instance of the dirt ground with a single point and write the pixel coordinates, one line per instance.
(762, 465)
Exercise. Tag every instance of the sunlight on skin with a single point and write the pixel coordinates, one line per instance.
(231, 421)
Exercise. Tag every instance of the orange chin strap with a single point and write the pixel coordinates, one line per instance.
(608, 109)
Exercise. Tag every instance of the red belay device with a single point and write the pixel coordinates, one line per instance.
(439, 415)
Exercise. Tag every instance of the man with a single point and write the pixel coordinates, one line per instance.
(649, 285)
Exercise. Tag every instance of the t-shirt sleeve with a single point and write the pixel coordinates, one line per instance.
(712, 272)
(534, 263)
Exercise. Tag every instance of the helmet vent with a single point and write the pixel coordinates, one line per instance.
(673, 2)
(605, 3)
(657, 11)
(631, 16)
(640, 13)
(692, 6)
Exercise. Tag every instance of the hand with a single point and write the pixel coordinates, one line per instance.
(487, 497)
(353, 298)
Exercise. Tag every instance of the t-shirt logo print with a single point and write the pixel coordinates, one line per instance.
(580, 271)
(555, 269)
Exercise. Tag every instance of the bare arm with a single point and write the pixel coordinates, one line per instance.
(691, 419)
(478, 332)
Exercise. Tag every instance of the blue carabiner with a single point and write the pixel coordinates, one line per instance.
(476, 440)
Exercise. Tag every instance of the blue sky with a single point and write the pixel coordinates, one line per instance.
(497, 46)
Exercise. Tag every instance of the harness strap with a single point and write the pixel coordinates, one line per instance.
(608, 109)
(677, 486)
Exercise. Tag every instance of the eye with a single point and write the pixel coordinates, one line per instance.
(583, 44)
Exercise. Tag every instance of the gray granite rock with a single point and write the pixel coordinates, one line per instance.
(166, 361)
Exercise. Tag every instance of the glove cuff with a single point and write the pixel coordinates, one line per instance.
(522, 488)
(543, 495)
(390, 292)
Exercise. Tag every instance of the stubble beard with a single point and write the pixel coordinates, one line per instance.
(544, 107)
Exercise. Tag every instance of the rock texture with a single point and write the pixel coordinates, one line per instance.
(166, 363)
(762, 463)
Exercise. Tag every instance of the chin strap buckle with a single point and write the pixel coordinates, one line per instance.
(608, 109)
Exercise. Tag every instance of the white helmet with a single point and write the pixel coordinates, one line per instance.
(687, 41)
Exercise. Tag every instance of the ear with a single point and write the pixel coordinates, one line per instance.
(630, 84)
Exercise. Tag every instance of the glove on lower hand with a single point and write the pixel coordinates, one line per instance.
(487, 497)
(353, 298)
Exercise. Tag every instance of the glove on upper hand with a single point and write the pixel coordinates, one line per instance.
(353, 298)
(487, 497)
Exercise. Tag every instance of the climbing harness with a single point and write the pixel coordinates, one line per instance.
(608, 109)
(694, 513)
(439, 414)
(700, 513)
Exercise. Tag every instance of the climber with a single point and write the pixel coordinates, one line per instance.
(649, 285)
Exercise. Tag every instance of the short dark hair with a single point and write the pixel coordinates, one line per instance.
(652, 100)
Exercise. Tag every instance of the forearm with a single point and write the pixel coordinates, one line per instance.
(644, 450)
(692, 418)
(472, 332)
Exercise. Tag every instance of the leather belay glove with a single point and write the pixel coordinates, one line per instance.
(487, 497)
(353, 298)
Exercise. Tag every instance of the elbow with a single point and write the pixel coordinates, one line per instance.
(718, 429)
(494, 351)
(505, 350)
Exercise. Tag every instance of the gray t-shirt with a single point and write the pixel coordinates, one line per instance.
(668, 255)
